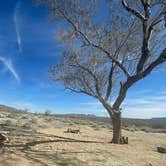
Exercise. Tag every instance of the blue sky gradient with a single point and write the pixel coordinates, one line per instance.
(27, 50)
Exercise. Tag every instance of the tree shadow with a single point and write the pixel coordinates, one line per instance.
(49, 159)
(60, 139)
(54, 157)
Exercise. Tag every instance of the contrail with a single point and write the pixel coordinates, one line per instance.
(16, 27)
(8, 64)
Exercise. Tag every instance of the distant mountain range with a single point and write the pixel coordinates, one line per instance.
(8, 109)
(156, 123)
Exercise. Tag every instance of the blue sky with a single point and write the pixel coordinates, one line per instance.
(28, 48)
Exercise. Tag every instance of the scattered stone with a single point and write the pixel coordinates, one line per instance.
(3, 139)
(161, 150)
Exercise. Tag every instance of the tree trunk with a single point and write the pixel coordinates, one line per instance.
(116, 123)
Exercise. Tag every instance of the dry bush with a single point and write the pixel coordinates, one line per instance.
(27, 126)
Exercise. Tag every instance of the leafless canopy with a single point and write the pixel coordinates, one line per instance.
(109, 45)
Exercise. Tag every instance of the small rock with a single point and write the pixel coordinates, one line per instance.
(161, 150)
(3, 139)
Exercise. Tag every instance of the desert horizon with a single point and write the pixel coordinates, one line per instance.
(43, 139)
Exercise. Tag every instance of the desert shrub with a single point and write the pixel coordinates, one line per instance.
(42, 126)
(152, 130)
(26, 126)
(109, 126)
(157, 126)
(47, 112)
(131, 128)
(2, 116)
(33, 121)
(160, 130)
(103, 126)
(77, 122)
(24, 117)
(12, 115)
(8, 123)
(26, 110)
(95, 127)
(71, 124)
(49, 119)
(146, 129)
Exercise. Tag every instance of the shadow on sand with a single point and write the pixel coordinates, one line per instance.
(60, 139)
(49, 158)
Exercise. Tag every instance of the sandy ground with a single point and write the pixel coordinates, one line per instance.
(50, 146)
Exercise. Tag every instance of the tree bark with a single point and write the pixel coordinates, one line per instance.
(116, 123)
(117, 126)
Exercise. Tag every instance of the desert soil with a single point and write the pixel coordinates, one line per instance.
(38, 140)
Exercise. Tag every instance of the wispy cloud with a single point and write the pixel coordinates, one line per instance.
(16, 23)
(9, 65)
(93, 104)
(31, 106)
(93, 107)
(25, 105)
(149, 106)
(144, 105)
(146, 100)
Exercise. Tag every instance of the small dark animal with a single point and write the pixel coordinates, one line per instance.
(124, 140)
(73, 131)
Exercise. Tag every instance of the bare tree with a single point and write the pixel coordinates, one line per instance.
(103, 58)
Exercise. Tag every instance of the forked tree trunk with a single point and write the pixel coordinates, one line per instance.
(117, 124)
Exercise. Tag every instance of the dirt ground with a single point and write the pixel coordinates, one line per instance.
(44, 143)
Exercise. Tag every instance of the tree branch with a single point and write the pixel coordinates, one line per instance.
(81, 91)
(158, 61)
(146, 36)
(132, 11)
(92, 74)
(125, 39)
(158, 19)
(109, 87)
(130, 81)
(86, 85)
(147, 31)
(158, 3)
(85, 37)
